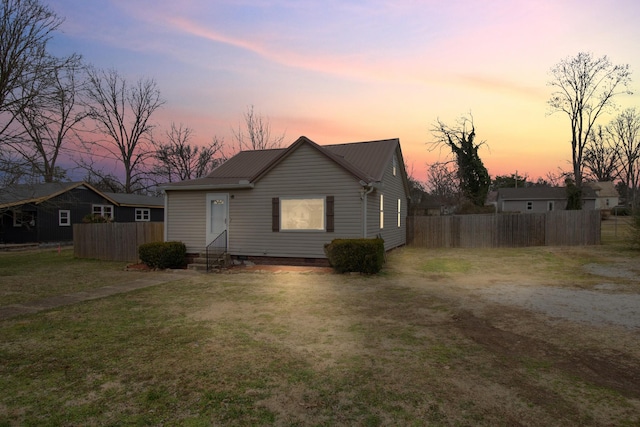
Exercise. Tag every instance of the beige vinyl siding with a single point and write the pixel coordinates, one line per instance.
(305, 173)
(393, 189)
(187, 222)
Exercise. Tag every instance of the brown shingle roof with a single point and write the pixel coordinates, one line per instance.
(366, 161)
(372, 157)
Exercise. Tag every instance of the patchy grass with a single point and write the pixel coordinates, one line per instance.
(414, 346)
(32, 275)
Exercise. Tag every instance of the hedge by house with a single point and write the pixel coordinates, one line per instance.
(163, 254)
(358, 255)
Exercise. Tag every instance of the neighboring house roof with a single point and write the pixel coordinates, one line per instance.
(540, 193)
(37, 193)
(21, 194)
(603, 189)
(136, 200)
(366, 161)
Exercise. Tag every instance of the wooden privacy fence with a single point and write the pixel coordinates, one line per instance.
(559, 228)
(114, 241)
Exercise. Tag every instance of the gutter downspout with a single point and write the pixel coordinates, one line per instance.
(166, 215)
(366, 189)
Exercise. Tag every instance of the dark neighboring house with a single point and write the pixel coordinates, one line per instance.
(290, 202)
(46, 212)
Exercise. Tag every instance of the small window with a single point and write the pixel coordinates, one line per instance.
(399, 210)
(24, 219)
(17, 218)
(606, 202)
(103, 210)
(550, 206)
(529, 206)
(395, 165)
(302, 214)
(143, 214)
(64, 218)
(381, 211)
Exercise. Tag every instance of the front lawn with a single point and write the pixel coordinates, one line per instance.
(416, 345)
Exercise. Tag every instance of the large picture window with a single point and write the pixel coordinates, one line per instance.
(302, 214)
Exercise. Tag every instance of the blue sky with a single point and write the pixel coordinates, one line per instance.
(342, 71)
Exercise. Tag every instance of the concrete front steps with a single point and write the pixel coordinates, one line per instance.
(199, 263)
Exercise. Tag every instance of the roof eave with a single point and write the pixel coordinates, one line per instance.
(207, 187)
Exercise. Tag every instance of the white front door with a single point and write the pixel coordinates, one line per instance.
(217, 215)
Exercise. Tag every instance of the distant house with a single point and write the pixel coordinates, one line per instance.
(595, 195)
(606, 195)
(46, 212)
(288, 203)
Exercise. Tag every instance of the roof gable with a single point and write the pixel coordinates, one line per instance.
(303, 140)
(365, 161)
(37, 193)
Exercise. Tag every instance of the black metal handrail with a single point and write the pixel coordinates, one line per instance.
(216, 248)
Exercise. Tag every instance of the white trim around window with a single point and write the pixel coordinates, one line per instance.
(399, 210)
(103, 210)
(143, 214)
(64, 218)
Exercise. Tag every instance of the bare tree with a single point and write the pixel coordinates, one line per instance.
(600, 157)
(584, 88)
(49, 121)
(178, 160)
(442, 182)
(26, 26)
(256, 133)
(624, 130)
(122, 113)
(472, 175)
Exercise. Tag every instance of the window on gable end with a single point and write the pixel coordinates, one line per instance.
(381, 211)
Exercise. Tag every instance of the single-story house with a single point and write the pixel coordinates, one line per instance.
(31, 213)
(606, 195)
(595, 195)
(288, 203)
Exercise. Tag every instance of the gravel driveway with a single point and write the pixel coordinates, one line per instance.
(609, 303)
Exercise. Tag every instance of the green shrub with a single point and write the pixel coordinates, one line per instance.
(163, 254)
(95, 219)
(359, 255)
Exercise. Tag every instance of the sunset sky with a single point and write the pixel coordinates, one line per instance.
(345, 71)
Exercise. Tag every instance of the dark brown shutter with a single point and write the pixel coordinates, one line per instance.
(329, 213)
(275, 214)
